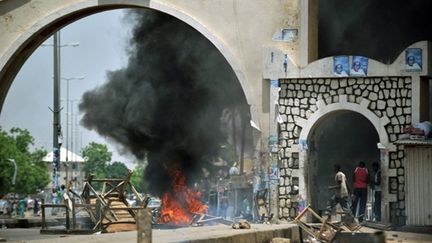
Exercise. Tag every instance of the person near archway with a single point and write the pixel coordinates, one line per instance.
(361, 181)
(341, 194)
(376, 184)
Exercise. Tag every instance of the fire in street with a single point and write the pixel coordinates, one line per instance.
(181, 203)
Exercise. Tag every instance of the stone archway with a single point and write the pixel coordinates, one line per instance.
(384, 101)
(343, 104)
(342, 137)
(323, 111)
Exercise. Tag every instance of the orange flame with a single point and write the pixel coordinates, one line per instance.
(180, 205)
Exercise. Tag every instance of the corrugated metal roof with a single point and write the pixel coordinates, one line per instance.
(427, 142)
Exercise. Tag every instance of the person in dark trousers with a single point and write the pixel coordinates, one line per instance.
(36, 207)
(341, 194)
(361, 181)
(376, 184)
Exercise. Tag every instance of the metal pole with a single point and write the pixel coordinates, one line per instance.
(14, 177)
(15, 171)
(56, 111)
(72, 144)
(67, 131)
(217, 198)
(69, 120)
(273, 147)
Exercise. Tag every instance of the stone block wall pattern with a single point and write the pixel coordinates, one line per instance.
(388, 98)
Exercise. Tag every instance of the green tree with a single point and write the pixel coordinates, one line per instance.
(116, 170)
(37, 176)
(97, 158)
(32, 173)
(137, 178)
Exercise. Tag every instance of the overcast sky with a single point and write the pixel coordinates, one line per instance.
(102, 40)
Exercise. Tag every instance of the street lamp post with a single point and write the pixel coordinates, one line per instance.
(56, 109)
(67, 124)
(15, 171)
(13, 177)
(73, 143)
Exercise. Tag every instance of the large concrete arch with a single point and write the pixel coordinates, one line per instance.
(22, 47)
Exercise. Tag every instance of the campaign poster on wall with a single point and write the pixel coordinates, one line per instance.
(359, 66)
(413, 59)
(341, 66)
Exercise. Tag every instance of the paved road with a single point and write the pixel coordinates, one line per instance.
(32, 235)
(20, 235)
(218, 232)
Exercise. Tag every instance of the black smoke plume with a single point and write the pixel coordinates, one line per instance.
(377, 29)
(166, 105)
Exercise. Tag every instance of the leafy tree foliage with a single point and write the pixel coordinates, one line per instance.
(96, 158)
(116, 170)
(98, 162)
(137, 179)
(32, 172)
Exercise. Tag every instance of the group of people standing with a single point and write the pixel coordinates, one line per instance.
(362, 179)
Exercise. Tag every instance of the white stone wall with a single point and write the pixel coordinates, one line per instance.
(386, 102)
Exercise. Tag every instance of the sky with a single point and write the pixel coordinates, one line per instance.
(102, 46)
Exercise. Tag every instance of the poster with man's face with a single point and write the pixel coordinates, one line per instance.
(341, 66)
(359, 66)
(413, 59)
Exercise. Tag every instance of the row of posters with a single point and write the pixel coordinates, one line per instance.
(342, 68)
(359, 64)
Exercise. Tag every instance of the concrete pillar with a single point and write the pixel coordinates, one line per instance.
(144, 229)
(308, 32)
(415, 96)
(420, 99)
(274, 147)
(386, 197)
(424, 99)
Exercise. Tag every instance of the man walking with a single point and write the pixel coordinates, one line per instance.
(361, 181)
(341, 194)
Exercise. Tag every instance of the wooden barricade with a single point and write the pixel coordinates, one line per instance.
(107, 208)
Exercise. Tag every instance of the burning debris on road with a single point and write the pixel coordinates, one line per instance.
(182, 203)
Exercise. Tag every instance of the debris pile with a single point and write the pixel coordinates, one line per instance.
(325, 231)
(242, 224)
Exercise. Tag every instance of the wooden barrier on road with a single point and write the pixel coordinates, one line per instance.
(107, 208)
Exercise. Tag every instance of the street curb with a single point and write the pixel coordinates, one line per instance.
(29, 223)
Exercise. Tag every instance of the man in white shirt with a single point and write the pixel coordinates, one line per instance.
(341, 194)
